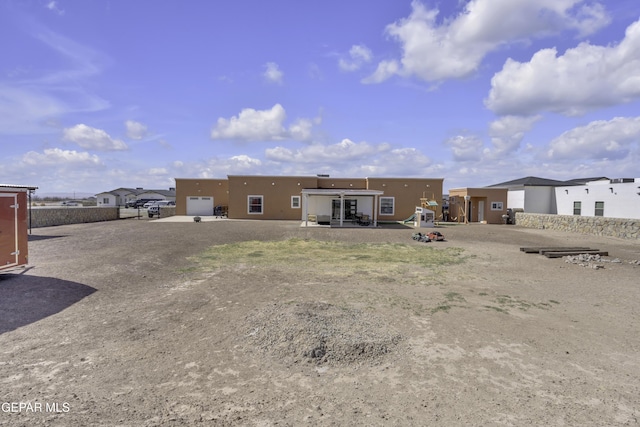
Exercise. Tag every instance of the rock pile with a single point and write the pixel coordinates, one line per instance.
(319, 333)
(594, 261)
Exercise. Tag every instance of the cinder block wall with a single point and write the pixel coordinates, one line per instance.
(47, 217)
(166, 211)
(596, 225)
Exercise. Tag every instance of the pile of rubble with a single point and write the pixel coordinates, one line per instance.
(594, 261)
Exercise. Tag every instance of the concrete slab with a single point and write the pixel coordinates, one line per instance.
(188, 218)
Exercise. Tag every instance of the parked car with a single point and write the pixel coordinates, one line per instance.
(154, 209)
(70, 203)
(141, 202)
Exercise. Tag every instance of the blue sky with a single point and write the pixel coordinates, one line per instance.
(101, 94)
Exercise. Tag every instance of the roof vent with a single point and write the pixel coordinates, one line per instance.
(323, 175)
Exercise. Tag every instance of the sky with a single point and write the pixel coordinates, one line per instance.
(97, 95)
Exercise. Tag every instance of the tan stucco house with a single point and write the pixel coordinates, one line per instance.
(482, 204)
(315, 199)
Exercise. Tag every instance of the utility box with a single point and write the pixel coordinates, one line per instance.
(13, 226)
(424, 218)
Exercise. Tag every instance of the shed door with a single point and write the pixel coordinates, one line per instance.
(202, 206)
(8, 230)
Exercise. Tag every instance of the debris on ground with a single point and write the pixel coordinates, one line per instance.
(420, 237)
(435, 236)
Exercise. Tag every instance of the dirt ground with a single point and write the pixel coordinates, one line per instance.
(123, 323)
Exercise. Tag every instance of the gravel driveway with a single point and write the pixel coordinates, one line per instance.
(122, 323)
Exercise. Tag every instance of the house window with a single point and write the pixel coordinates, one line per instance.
(577, 208)
(105, 201)
(295, 202)
(387, 205)
(599, 209)
(255, 204)
(496, 206)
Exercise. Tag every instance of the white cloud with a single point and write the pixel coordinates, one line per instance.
(262, 125)
(584, 78)
(252, 125)
(612, 139)
(465, 147)
(135, 130)
(359, 55)
(93, 139)
(507, 133)
(344, 151)
(59, 157)
(53, 6)
(384, 70)
(272, 73)
(454, 48)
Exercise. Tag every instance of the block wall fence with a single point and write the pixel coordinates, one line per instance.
(47, 217)
(595, 225)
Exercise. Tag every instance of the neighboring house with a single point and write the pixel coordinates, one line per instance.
(478, 204)
(14, 205)
(531, 194)
(169, 194)
(122, 196)
(106, 199)
(338, 201)
(613, 198)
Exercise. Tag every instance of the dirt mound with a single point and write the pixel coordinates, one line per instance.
(319, 333)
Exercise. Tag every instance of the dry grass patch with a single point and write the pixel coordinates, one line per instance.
(384, 260)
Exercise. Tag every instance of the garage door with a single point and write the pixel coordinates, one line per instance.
(202, 206)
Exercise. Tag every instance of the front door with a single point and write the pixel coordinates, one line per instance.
(8, 230)
(480, 210)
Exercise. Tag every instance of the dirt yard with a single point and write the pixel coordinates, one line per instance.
(143, 323)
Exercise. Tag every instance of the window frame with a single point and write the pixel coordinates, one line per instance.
(393, 206)
(497, 206)
(261, 204)
(598, 211)
(299, 200)
(577, 208)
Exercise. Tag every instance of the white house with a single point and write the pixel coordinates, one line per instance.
(537, 195)
(106, 199)
(615, 198)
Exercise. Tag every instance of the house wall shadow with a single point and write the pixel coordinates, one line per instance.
(27, 299)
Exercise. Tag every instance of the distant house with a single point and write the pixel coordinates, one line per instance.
(536, 195)
(531, 194)
(106, 199)
(169, 194)
(122, 196)
(613, 198)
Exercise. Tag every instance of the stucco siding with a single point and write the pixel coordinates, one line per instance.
(186, 187)
(621, 200)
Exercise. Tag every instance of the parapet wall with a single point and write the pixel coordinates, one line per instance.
(596, 225)
(47, 217)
